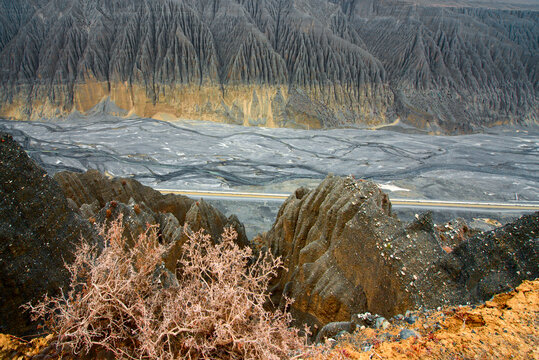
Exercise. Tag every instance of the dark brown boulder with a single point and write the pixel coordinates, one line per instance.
(38, 231)
(346, 253)
(92, 191)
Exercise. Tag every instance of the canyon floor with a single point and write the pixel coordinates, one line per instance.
(499, 165)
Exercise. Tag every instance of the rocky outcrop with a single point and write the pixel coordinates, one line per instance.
(38, 232)
(43, 219)
(93, 194)
(303, 63)
(346, 253)
(497, 260)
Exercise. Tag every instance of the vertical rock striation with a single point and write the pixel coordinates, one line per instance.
(346, 253)
(301, 63)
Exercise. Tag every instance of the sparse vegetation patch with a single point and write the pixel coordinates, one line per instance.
(126, 302)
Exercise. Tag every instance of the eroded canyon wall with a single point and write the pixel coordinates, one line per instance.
(278, 63)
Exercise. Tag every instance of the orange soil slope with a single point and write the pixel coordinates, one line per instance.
(504, 328)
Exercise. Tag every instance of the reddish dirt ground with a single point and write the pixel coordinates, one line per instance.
(505, 327)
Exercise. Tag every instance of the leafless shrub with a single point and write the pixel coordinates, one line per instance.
(215, 311)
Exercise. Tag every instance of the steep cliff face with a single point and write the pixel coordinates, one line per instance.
(33, 249)
(301, 63)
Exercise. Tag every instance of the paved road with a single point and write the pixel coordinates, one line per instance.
(410, 203)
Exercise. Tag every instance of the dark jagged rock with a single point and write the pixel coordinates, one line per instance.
(332, 240)
(346, 254)
(456, 231)
(137, 216)
(302, 63)
(499, 260)
(135, 219)
(332, 329)
(38, 232)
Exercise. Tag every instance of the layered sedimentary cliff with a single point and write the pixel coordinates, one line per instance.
(301, 63)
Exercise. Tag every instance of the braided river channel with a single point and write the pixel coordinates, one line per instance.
(499, 165)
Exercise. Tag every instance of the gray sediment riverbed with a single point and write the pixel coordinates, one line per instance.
(500, 165)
